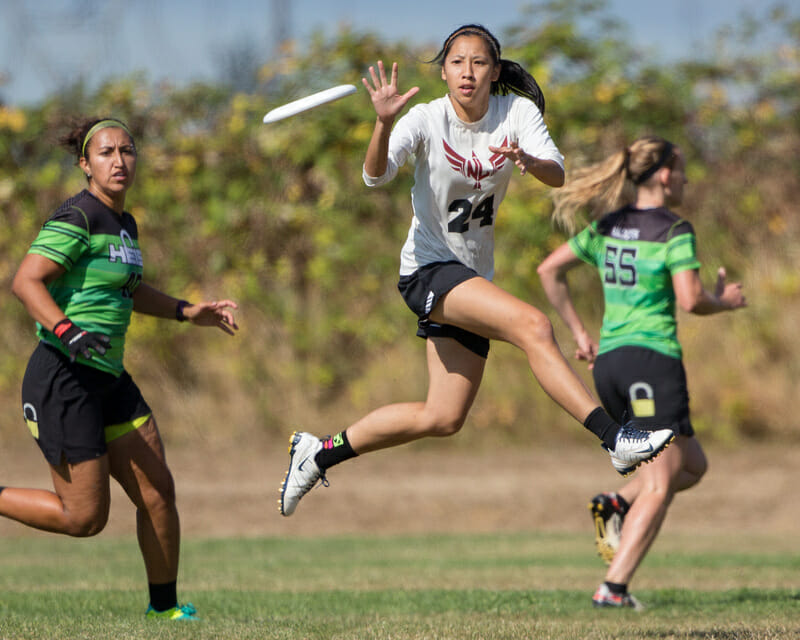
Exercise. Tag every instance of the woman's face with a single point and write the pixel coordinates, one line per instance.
(469, 71)
(110, 160)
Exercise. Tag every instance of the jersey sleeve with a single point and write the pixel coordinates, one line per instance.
(534, 137)
(407, 135)
(63, 238)
(584, 244)
(682, 248)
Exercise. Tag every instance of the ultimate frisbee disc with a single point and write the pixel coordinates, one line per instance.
(309, 102)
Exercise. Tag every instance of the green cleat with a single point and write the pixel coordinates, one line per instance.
(179, 612)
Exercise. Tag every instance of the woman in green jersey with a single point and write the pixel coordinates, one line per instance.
(80, 281)
(645, 255)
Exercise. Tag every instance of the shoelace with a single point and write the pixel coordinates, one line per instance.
(311, 484)
(631, 434)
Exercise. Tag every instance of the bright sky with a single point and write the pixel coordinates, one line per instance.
(49, 44)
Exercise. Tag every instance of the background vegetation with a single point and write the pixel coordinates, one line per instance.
(277, 218)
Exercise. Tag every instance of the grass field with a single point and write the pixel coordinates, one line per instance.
(531, 585)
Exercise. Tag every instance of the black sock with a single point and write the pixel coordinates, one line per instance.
(164, 596)
(624, 506)
(334, 450)
(616, 588)
(603, 426)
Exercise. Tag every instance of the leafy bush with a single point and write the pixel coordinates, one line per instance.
(276, 217)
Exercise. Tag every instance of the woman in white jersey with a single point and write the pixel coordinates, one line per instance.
(647, 260)
(466, 145)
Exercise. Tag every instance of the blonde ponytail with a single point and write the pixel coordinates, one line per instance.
(599, 186)
(609, 184)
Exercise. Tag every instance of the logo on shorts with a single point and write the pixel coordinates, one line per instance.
(643, 400)
(31, 419)
(474, 169)
(429, 302)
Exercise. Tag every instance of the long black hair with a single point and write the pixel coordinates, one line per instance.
(512, 79)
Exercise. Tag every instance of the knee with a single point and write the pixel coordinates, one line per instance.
(535, 328)
(694, 473)
(442, 426)
(86, 525)
(701, 468)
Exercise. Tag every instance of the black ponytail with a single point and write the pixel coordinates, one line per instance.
(512, 79)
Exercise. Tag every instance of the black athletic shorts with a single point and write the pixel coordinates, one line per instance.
(648, 387)
(422, 290)
(74, 410)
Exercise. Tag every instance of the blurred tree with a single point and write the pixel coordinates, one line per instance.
(277, 217)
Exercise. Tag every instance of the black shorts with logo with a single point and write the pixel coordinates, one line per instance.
(74, 410)
(422, 290)
(648, 387)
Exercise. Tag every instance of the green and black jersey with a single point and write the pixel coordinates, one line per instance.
(636, 252)
(100, 251)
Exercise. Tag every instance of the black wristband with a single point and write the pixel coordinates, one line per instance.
(182, 304)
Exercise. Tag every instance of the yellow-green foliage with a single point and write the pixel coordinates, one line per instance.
(277, 218)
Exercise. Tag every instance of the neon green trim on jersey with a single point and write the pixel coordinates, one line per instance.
(114, 431)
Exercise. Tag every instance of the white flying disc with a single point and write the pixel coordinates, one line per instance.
(309, 102)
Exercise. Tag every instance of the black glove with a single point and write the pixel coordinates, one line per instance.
(77, 341)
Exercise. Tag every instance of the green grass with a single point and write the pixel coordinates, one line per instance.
(473, 586)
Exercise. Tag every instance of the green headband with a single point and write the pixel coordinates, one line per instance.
(103, 124)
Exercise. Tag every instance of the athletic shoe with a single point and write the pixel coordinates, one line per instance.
(635, 446)
(608, 516)
(303, 472)
(603, 597)
(185, 612)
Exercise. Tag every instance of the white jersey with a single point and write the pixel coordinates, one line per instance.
(458, 182)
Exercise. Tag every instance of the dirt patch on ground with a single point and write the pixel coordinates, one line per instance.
(444, 489)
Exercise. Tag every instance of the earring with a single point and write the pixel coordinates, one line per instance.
(88, 176)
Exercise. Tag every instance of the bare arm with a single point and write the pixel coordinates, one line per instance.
(388, 103)
(546, 171)
(152, 302)
(694, 298)
(553, 275)
(30, 286)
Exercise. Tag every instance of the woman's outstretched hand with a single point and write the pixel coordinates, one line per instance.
(386, 98)
(213, 314)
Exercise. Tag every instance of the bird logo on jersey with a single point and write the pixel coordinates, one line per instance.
(474, 169)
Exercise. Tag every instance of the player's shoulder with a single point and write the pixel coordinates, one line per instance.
(423, 116)
(428, 111)
(85, 211)
(74, 210)
(647, 225)
(670, 223)
(514, 104)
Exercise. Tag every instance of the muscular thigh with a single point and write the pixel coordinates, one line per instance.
(138, 463)
(83, 486)
(482, 307)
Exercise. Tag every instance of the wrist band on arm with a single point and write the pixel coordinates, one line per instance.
(61, 327)
(182, 304)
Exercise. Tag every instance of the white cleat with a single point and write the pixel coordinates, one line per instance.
(303, 472)
(635, 446)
